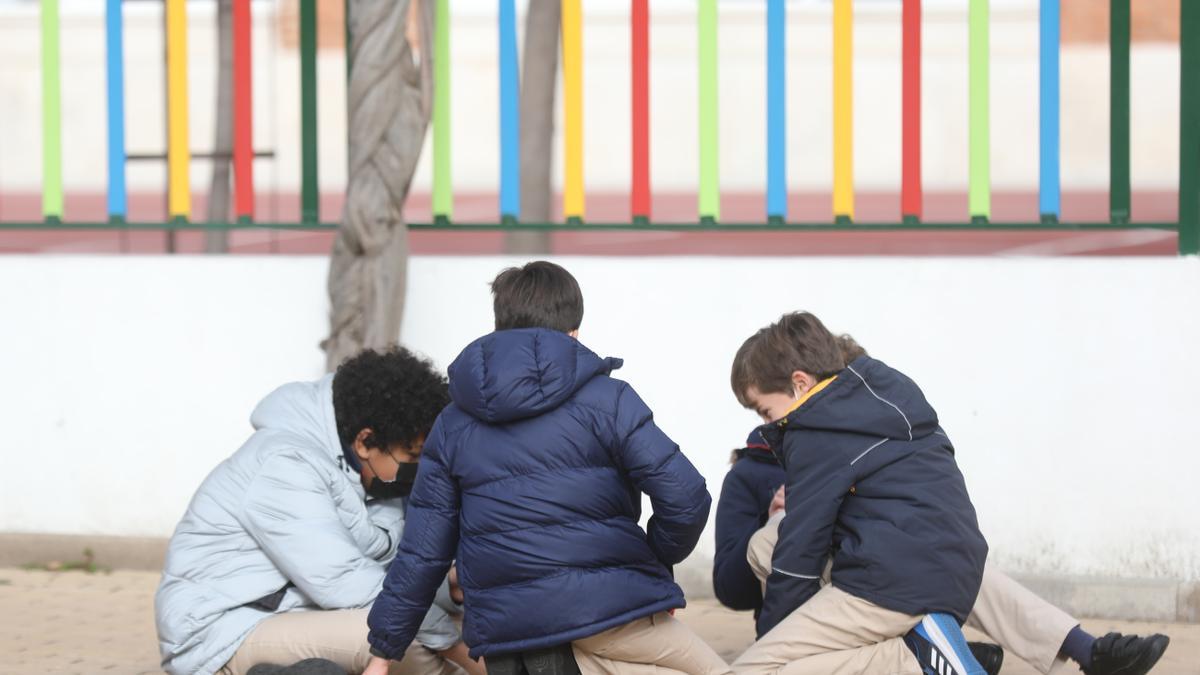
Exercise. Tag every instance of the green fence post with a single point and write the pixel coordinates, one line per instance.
(52, 181)
(309, 195)
(1118, 177)
(443, 193)
(1189, 128)
(979, 141)
(709, 206)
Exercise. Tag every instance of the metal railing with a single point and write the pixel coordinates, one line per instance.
(708, 219)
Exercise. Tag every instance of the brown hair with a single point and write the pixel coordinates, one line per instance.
(538, 295)
(797, 341)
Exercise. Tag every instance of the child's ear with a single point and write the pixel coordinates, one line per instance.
(362, 442)
(803, 381)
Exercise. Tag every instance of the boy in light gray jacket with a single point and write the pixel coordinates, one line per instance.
(286, 544)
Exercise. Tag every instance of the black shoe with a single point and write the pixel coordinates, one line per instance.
(558, 660)
(990, 656)
(503, 664)
(1116, 654)
(305, 667)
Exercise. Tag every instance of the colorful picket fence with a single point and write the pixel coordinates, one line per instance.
(708, 187)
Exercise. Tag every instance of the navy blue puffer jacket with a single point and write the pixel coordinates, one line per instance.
(743, 507)
(871, 475)
(532, 479)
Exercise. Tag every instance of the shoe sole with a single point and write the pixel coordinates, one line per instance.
(1152, 655)
(946, 635)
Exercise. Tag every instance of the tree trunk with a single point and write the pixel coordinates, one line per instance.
(217, 241)
(389, 103)
(542, 27)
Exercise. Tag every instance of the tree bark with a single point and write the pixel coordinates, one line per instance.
(389, 104)
(217, 241)
(538, 83)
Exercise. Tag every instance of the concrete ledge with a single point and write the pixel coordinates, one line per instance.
(135, 553)
(1127, 599)
(1158, 600)
(1088, 597)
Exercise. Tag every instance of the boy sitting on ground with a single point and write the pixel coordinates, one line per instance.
(872, 478)
(287, 541)
(748, 514)
(532, 478)
(1040, 633)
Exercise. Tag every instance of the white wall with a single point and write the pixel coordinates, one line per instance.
(1069, 385)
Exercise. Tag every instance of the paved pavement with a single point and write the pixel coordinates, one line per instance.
(73, 622)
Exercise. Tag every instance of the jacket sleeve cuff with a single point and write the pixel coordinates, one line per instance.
(382, 649)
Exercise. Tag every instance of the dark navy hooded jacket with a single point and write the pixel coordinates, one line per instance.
(532, 479)
(742, 509)
(872, 477)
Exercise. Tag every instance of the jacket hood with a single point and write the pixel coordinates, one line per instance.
(303, 409)
(757, 454)
(515, 374)
(868, 397)
(757, 448)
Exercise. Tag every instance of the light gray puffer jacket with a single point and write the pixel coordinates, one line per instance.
(284, 511)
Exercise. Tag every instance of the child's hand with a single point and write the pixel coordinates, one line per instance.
(458, 655)
(777, 503)
(456, 591)
(377, 666)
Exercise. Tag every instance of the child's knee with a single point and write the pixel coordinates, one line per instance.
(762, 547)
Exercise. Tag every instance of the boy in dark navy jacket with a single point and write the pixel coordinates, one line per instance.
(749, 488)
(1043, 635)
(872, 483)
(530, 483)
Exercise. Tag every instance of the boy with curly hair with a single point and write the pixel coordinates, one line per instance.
(285, 545)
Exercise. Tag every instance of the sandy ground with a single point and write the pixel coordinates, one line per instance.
(72, 622)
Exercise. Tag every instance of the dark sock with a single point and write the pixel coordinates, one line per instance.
(1078, 646)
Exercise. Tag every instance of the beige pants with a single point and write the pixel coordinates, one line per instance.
(654, 645)
(337, 635)
(834, 633)
(1007, 612)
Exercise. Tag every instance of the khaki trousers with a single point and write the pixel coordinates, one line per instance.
(653, 645)
(1007, 612)
(337, 635)
(834, 633)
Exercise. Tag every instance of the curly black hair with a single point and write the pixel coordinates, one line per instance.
(394, 393)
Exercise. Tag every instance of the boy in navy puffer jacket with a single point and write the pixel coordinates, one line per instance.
(1023, 624)
(871, 483)
(750, 486)
(530, 483)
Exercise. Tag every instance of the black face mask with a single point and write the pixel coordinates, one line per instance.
(406, 475)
